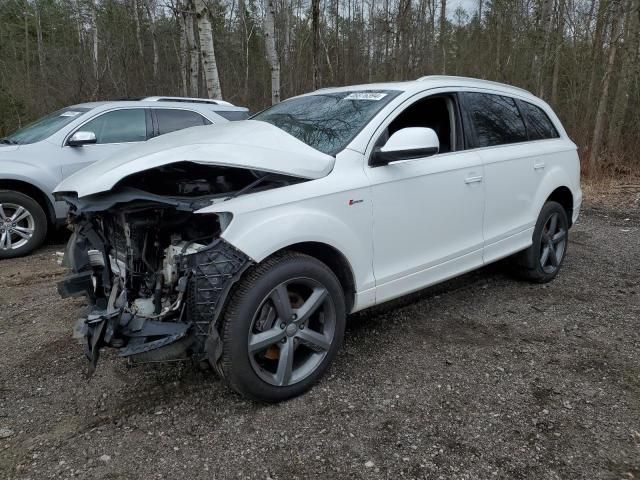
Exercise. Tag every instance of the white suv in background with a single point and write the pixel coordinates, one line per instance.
(246, 245)
(36, 158)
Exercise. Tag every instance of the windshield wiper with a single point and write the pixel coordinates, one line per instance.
(8, 141)
(246, 188)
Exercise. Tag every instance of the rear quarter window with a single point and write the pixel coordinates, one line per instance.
(170, 120)
(231, 115)
(495, 119)
(539, 125)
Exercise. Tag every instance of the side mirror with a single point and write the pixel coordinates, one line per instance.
(407, 144)
(81, 138)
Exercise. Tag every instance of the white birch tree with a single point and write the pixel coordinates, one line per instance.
(272, 53)
(207, 51)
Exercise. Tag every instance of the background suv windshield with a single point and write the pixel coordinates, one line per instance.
(45, 127)
(327, 121)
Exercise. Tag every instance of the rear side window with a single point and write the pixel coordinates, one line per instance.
(539, 126)
(496, 119)
(170, 120)
(119, 126)
(233, 115)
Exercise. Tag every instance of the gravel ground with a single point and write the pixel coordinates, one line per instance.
(481, 377)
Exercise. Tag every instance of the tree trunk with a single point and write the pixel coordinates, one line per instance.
(183, 50)
(194, 52)
(209, 65)
(154, 40)
(94, 27)
(27, 59)
(559, 37)
(629, 60)
(442, 35)
(272, 54)
(541, 44)
(596, 51)
(315, 25)
(136, 18)
(39, 45)
(604, 94)
(247, 37)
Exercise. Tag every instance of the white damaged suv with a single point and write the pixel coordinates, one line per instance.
(245, 245)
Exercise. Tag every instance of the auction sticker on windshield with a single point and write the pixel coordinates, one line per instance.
(365, 96)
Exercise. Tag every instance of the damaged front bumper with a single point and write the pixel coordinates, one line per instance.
(186, 328)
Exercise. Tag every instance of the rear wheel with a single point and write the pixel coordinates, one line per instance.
(23, 224)
(282, 328)
(541, 262)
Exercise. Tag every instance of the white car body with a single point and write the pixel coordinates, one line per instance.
(414, 223)
(443, 176)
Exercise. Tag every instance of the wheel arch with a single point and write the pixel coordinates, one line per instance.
(32, 191)
(564, 197)
(332, 258)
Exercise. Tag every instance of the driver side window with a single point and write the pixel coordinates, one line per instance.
(436, 113)
(119, 126)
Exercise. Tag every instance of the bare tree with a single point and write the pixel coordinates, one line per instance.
(136, 18)
(629, 61)
(558, 39)
(207, 50)
(36, 9)
(442, 35)
(188, 16)
(150, 6)
(596, 140)
(272, 53)
(94, 27)
(315, 27)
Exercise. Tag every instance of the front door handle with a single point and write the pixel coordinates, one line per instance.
(475, 179)
(538, 166)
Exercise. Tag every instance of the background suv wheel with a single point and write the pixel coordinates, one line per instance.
(23, 224)
(283, 327)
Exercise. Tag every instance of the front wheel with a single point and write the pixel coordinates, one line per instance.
(542, 260)
(282, 328)
(23, 224)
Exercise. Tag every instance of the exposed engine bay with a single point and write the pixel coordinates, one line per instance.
(155, 272)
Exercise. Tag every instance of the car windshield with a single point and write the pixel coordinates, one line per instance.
(327, 121)
(45, 127)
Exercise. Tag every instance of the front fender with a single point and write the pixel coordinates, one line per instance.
(43, 179)
(263, 232)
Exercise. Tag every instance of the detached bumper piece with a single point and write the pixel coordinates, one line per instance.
(141, 339)
(77, 285)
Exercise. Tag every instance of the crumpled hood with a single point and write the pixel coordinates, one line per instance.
(6, 148)
(247, 144)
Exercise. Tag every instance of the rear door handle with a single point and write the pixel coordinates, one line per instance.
(475, 179)
(538, 166)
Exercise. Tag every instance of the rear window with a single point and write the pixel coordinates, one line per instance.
(539, 126)
(495, 118)
(170, 120)
(232, 115)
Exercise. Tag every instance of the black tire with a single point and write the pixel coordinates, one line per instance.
(37, 220)
(528, 264)
(254, 293)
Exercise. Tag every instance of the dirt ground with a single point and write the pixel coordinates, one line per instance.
(482, 377)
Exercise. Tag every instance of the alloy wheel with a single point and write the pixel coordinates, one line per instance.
(553, 243)
(17, 226)
(292, 331)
